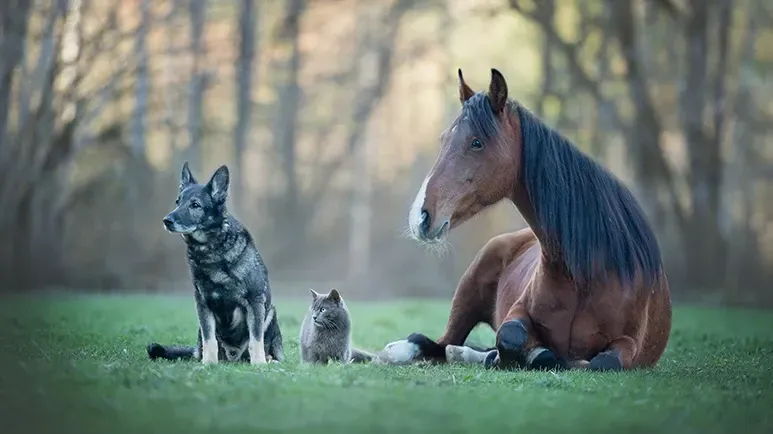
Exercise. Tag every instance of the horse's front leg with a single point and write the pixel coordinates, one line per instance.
(518, 346)
(473, 297)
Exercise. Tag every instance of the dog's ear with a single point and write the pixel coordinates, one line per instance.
(314, 294)
(218, 185)
(334, 296)
(186, 177)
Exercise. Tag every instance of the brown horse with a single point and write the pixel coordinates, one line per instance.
(582, 287)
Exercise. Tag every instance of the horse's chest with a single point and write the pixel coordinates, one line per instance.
(574, 327)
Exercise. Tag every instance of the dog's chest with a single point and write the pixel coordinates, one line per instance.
(230, 326)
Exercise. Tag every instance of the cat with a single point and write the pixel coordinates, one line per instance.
(326, 332)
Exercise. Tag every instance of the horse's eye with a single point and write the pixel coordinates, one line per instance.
(476, 145)
(195, 205)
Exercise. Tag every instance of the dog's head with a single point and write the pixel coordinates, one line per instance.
(199, 207)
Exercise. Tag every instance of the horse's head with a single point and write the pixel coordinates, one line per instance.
(477, 166)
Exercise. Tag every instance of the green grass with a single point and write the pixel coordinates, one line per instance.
(78, 364)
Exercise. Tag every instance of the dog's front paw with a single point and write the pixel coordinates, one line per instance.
(257, 353)
(209, 361)
(209, 354)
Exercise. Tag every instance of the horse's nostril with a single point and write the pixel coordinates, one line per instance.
(425, 222)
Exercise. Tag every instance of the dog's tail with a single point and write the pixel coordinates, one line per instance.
(170, 352)
(360, 356)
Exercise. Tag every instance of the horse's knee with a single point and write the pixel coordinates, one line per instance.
(512, 337)
(608, 360)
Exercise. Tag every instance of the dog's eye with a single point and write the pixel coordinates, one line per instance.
(476, 145)
(177, 201)
(195, 205)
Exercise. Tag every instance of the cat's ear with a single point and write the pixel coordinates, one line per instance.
(334, 296)
(314, 294)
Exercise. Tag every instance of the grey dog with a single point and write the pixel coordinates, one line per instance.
(237, 319)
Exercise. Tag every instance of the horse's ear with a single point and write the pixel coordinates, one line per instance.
(497, 91)
(465, 92)
(314, 294)
(334, 296)
(186, 177)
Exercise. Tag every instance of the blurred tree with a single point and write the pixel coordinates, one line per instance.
(286, 123)
(198, 84)
(247, 17)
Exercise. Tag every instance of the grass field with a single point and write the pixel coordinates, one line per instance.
(78, 364)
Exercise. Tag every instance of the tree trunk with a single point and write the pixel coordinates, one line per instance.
(138, 133)
(546, 11)
(197, 85)
(644, 135)
(703, 240)
(292, 216)
(14, 17)
(248, 14)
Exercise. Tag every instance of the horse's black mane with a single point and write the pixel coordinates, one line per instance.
(590, 220)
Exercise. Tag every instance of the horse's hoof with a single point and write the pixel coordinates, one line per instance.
(511, 338)
(542, 359)
(492, 360)
(606, 361)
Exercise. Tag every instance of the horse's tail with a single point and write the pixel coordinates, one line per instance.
(170, 352)
(360, 356)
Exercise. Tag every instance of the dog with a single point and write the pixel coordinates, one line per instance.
(237, 319)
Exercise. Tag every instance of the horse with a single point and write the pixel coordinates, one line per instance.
(582, 287)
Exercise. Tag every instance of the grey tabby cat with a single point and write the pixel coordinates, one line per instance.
(326, 331)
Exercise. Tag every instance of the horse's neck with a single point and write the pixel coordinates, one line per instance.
(551, 256)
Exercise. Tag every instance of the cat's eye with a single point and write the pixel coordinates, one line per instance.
(476, 145)
(321, 309)
(195, 205)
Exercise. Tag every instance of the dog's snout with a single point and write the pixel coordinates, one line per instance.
(167, 222)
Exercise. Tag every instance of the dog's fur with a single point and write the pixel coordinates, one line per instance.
(237, 319)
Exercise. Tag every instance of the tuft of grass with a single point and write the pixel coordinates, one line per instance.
(74, 363)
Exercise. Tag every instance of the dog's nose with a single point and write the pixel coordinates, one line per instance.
(424, 226)
(167, 222)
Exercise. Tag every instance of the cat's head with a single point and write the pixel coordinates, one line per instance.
(328, 310)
